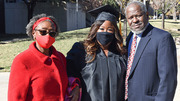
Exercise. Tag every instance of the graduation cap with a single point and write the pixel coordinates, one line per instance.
(109, 13)
(106, 12)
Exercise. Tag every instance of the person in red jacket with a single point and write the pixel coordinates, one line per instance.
(39, 73)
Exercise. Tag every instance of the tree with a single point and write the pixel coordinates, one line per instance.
(165, 6)
(175, 9)
(110, 2)
(91, 4)
(2, 17)
(122, 4)
(30, 6)
(87, 5)
(32, 3)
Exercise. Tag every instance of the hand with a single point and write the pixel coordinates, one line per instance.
(75, 94)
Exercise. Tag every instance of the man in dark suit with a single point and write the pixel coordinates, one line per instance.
(152, 62)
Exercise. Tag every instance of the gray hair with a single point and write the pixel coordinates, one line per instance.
(29, 27)
(143, 7)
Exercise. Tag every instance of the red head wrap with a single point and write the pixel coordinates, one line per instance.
(43, 19)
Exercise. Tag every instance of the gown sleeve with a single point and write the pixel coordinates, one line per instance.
(75, 63)
(75, 60)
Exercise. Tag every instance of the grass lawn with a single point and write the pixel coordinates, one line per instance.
(65, 41)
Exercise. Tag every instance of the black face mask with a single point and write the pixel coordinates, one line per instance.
(104, 37)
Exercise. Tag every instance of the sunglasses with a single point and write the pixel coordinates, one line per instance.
(44, 32)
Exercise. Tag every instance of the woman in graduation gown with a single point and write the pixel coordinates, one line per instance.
(99, 61)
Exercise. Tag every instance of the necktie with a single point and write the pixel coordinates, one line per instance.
(130, 61)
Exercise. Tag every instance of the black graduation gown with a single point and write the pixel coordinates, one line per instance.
(103, 79)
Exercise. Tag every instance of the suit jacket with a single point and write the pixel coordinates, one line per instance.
(153, 75)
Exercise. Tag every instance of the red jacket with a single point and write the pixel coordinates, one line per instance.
(37, 77)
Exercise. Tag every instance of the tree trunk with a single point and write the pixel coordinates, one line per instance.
(156, 14)
(125, 29)
(163, 14)
(2, 17)
(174, 14)
(147, 5)
(163, 20)
(30, 6)
(30, 11)
(125, 24)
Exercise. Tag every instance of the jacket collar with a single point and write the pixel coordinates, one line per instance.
(146, 37)
(42, 57)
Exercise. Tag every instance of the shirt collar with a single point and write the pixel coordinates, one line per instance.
(42, 57)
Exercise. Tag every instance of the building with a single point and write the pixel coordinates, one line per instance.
(15, 16)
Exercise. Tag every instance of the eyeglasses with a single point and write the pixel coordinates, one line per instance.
(44, 32)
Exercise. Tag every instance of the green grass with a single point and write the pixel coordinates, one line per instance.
(170, 26)
(64, 42)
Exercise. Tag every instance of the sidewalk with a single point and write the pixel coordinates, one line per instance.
(4, 77)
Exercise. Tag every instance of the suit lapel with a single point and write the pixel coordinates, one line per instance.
(128, 39)
(142, 45)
